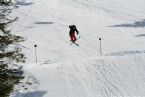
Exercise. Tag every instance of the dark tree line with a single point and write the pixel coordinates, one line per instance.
(10, 53)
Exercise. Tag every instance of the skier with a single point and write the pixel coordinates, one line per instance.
(72, 31)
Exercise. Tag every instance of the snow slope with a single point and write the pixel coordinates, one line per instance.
(65, 70)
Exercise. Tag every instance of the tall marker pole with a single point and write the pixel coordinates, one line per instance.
(35, 52)
(100, 46)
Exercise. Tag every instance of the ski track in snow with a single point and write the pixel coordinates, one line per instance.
(65, 70)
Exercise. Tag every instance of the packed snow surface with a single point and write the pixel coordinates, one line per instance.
(114, 68)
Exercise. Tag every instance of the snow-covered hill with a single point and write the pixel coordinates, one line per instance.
(65, 70)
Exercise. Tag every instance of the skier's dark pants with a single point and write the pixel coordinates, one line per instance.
(73, 37)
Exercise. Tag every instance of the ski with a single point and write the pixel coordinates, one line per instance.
(74, 43)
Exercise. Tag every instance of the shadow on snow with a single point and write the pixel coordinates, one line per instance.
(32, 94)
(24, 3)
(123, 53)
(136, 24)
(140, 35)
(43, 22)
